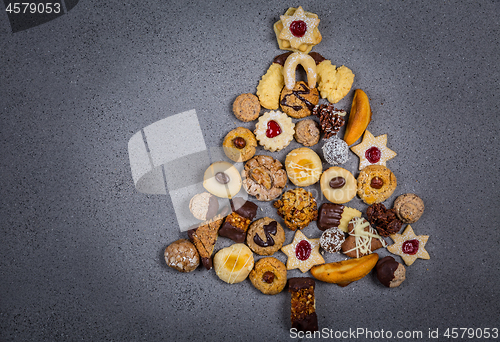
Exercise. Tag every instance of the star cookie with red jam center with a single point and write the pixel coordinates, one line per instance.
(373, 150)
(409, 246)
(302, 253)
(299, 28)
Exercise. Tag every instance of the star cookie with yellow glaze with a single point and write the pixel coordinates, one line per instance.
(302, 253)
(373, 150)
(297, 30)
(409, 246)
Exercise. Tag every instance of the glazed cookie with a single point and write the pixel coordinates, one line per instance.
(297, 207)
(297, 30)
(409, 208)
(274, 130)
(265, 236)
(362, 239)
(299, 101)
(376, 183)
(234, 263)
(303, 166)
(264, 177)
(240, 144)
(246, 107)
(307, 132)
(338, 185)
(269, 276)
(302, 253)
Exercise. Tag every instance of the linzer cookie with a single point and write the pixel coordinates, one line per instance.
(332, 215)
(303, 304)
(299, 101)
(303, 253)
(265, 236)
(297, 30)
(373, 150)
(274, 131)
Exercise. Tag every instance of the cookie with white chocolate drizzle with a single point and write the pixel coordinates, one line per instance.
(362, 239)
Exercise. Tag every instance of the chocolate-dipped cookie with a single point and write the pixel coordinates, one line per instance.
(390, 272)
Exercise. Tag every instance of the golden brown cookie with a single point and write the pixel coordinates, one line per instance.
(297, 30)
(307, 132)
(234, 263)
(265, 236)
(270, 85)
(297, 207)
(299, 101)
(240, 144)
(409, 208)
(264, 177)
(246, 107)
(376, 183)
(303, 166)
(338, 185)
(303, 253)
(274, 130)
(269, 276)
(182, 256)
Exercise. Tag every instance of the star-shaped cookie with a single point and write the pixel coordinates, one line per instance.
(373, 150)
(409, 246)
(299, 18)
(302, 253)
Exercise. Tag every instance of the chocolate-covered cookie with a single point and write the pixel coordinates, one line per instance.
(236, 224)
(390, 272)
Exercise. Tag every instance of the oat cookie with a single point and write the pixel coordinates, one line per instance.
(376, 183)
(246, 107)
(265, 236)
(307, 132)
(264, 177)
(297, 207)
(240, 144)
(269, 276)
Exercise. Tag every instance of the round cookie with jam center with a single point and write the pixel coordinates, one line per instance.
(338, 185)
(265, 236)
(269, 276)
(376, 183)
(240, 144)
(299, 101)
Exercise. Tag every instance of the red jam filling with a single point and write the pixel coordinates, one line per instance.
(410, 247)
(273, 129)
(303, 250)
(373, 154)
(298, 28)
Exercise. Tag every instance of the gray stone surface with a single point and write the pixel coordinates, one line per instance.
(81, 255)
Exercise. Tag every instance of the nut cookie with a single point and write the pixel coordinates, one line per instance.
(298, 208)
(240, 144)
(246, 107)
(264, 177)
(376, 183)
(269, 276)
(265, 236)
(409, 208)
(307, 132)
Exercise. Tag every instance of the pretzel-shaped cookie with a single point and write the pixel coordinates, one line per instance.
(291, 65)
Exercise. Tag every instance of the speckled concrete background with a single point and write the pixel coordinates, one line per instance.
(81, 255)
